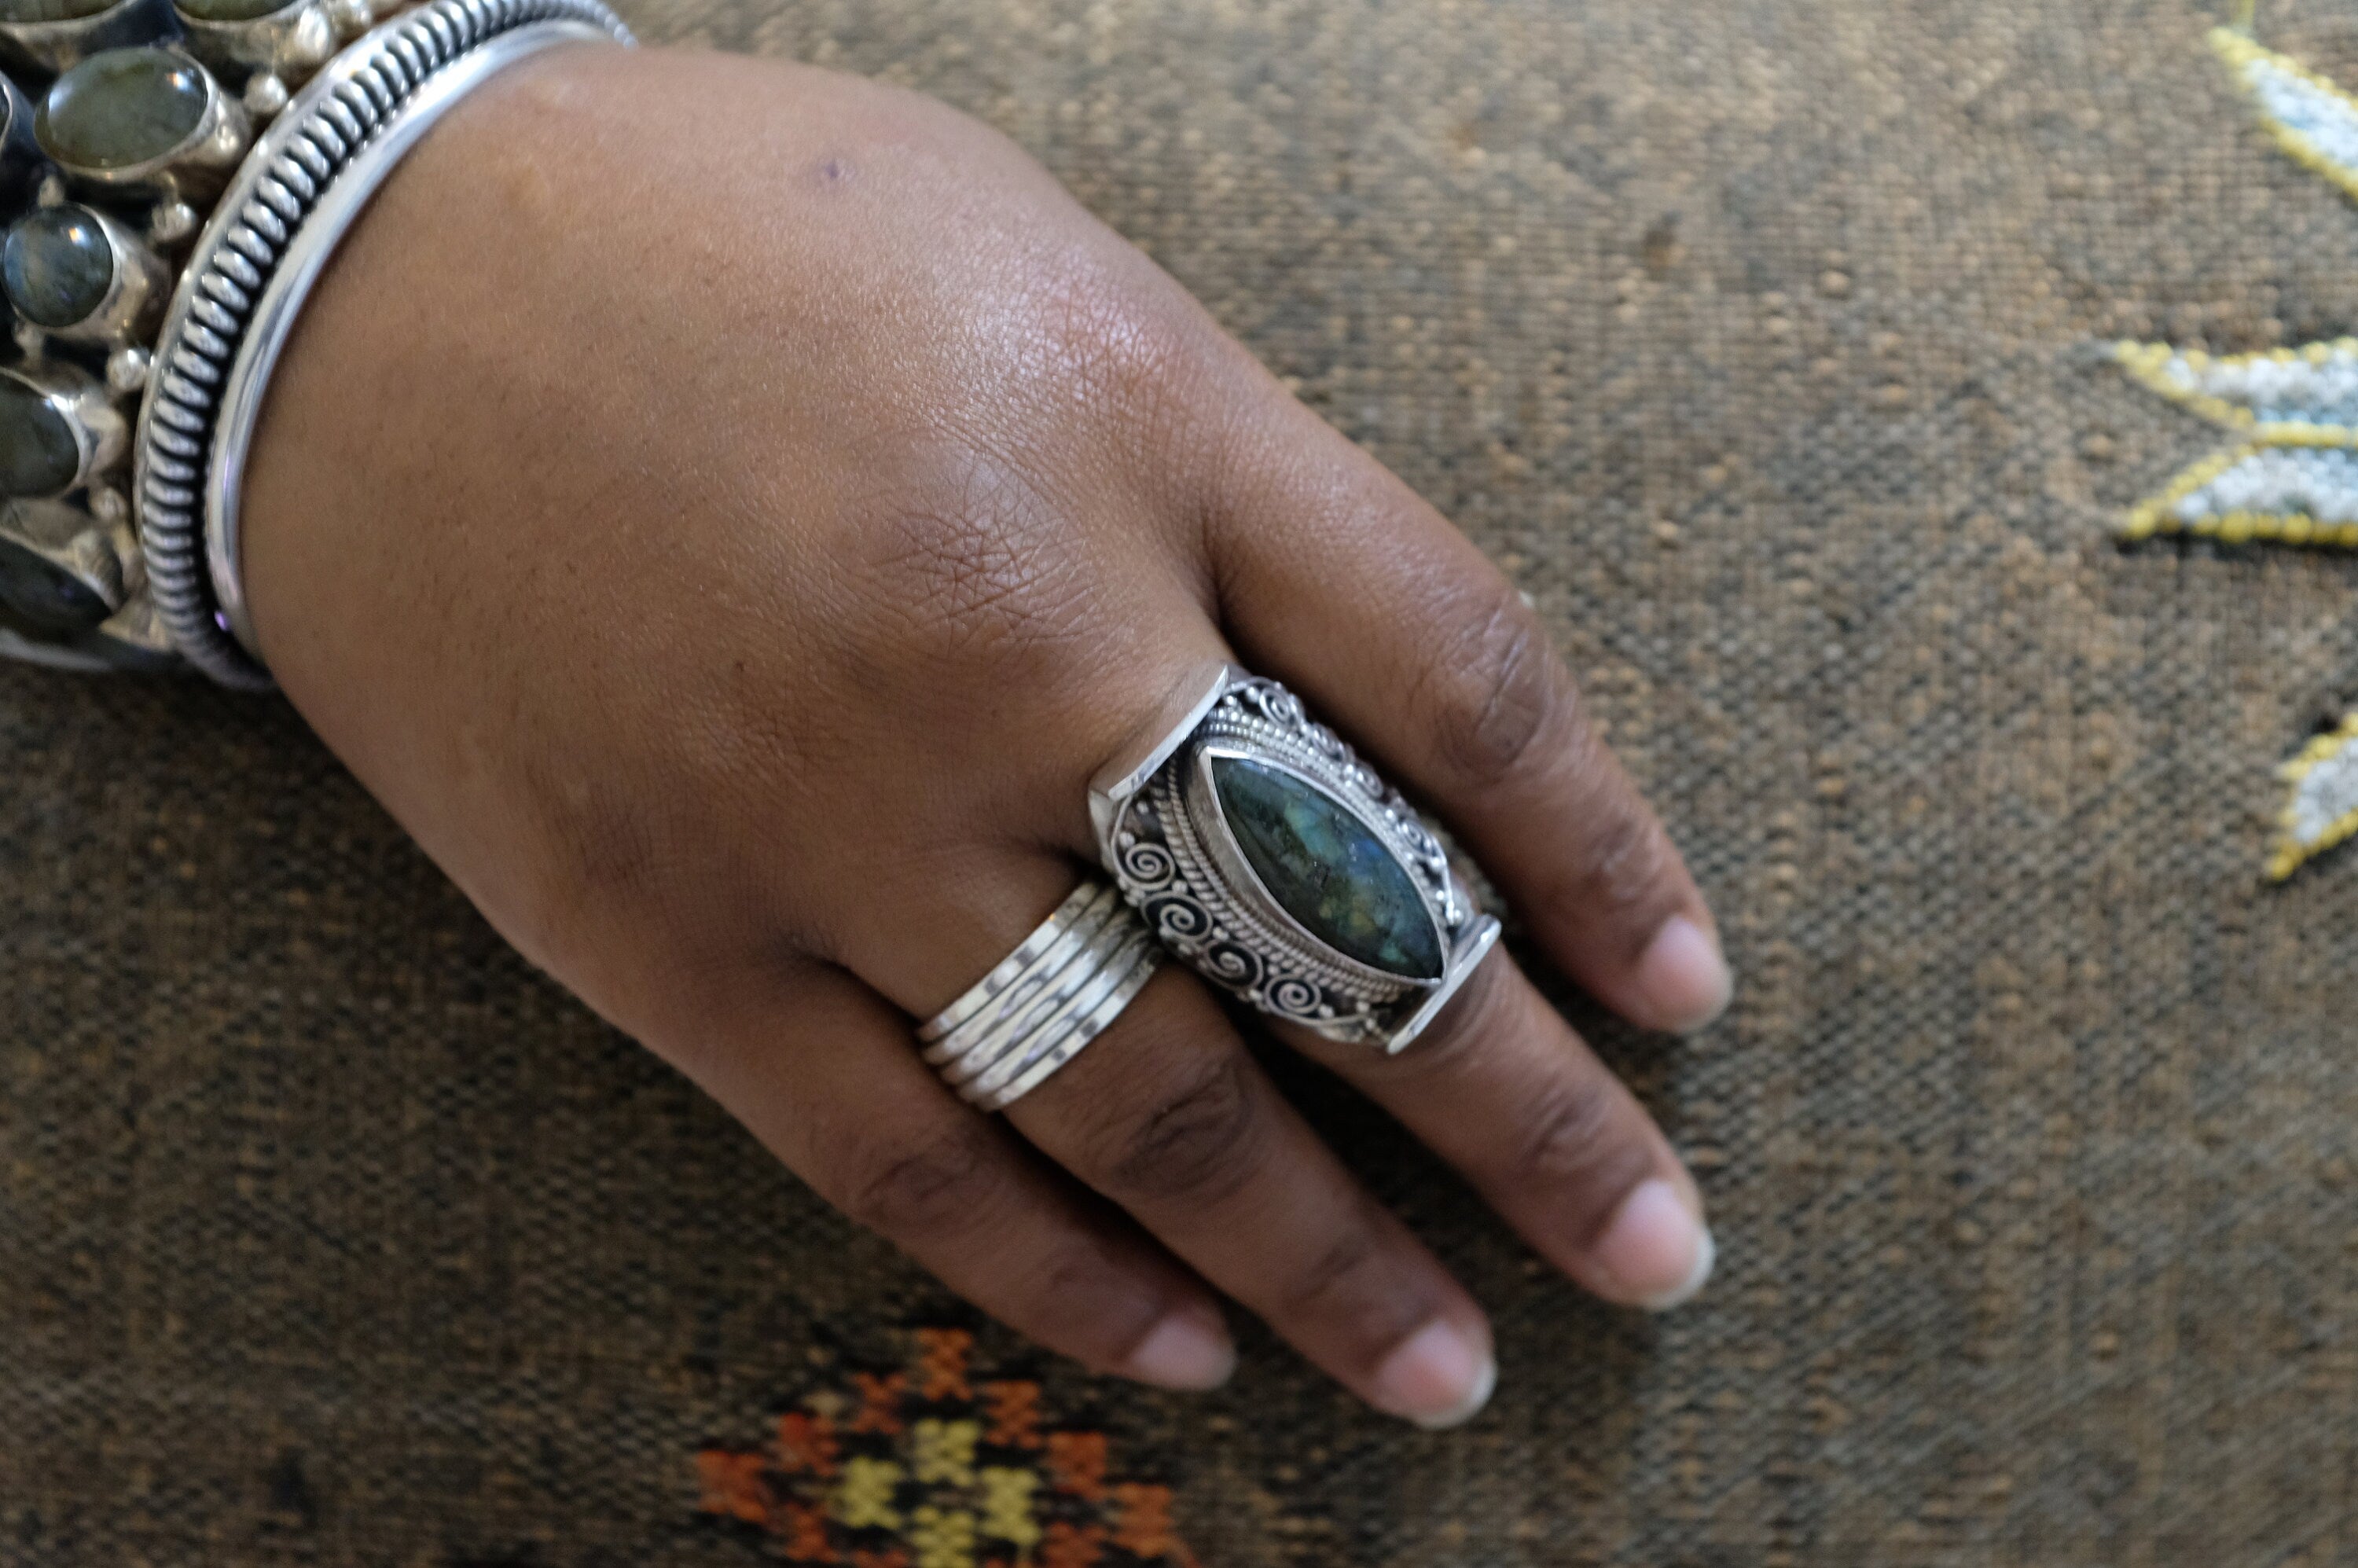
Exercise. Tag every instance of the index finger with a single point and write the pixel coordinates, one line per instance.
(1335, 578)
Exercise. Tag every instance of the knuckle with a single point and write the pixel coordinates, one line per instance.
(1083, 1298)
(1622, 864)
(1337, 1274)
(970, 564)
(925, 1190)
(1572, 1133)
(1122, 348)
(1198, 1143)
(1495, 695)
(1632, 857)
(1362, 1294)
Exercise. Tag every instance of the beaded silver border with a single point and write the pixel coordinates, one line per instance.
(342, 111)
(1162, 833)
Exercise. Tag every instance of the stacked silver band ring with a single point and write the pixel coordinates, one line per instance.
(1045, 1001)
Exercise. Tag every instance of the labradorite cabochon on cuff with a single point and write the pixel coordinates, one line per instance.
(38, 11)
(123, 108)
(112, 134)
(40, 454)
(1261, 850)
(128, 124)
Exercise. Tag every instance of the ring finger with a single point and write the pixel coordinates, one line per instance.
(1168, 1115)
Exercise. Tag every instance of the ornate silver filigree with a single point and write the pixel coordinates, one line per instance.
(1163, 833)
(294, 195)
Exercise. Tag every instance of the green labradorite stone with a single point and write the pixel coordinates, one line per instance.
(44, 595)
(1328, 869)
(234, 10)
(39, 455)
(122, 107)
(50, 10)
(56, 266)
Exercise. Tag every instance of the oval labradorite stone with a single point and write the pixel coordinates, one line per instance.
(1327, 869)
(45, 595)
(39, 455)
(234, 10)
(50, 10)
(120, 108)
(56, 266)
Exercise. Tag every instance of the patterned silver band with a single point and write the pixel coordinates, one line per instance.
(293, 198)
(1262, 851)
(1058, 990)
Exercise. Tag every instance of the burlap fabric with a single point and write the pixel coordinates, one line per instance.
(1754, 338)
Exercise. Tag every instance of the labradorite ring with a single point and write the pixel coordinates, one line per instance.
(1261, 852)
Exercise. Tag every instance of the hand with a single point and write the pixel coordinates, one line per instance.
(729, 511)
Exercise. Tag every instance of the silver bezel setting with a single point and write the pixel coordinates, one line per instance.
(282, 48)
(59, 46)
(299, 35)
(64, 536)
(134, 296)
(80, 399)
(1164, 836)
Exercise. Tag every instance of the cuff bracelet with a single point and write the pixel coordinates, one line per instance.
(157, 254)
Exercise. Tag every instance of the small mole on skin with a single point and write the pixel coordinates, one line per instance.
(834, 172)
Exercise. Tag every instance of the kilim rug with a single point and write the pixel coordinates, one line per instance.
(1884, 402)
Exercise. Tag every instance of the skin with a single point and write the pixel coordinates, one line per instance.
(733, 582)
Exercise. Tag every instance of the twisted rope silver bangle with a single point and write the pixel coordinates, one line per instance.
(292, 201)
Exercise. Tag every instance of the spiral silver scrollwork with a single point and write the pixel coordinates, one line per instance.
(1238, 938)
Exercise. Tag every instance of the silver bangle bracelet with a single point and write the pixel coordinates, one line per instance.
(292, 200)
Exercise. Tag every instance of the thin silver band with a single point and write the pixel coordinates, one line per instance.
(983, 1038)
(1079, 1019)
(1016, 965)
(293, 197)
(1061, 988)
(1128, 979)
(995, 1059)
(298, 269)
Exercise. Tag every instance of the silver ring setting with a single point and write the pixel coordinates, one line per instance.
(1262, 851)
(1061, 988)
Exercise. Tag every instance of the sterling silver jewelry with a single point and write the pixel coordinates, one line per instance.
(1264, 852)
(122, 124)
(1060, 989)
(253, 266)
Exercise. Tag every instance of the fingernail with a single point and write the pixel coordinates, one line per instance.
(1189, 1350)
(1684, 976)
(1439, 1377)
(1656, 1249)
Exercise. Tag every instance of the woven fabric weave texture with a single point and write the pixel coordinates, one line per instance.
(1769, 345)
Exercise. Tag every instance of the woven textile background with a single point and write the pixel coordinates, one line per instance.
(1756, 339)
